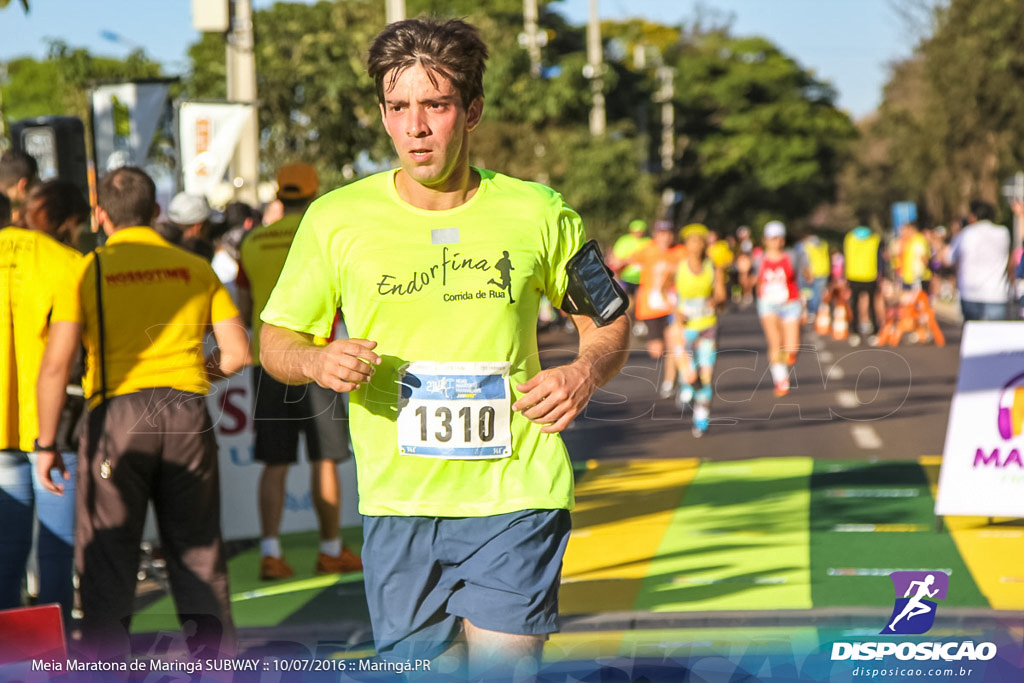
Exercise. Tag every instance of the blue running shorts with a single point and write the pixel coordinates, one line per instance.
(422, 574)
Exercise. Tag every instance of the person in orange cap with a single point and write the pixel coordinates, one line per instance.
(281, 412)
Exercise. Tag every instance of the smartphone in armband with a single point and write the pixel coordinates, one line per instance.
(592, 289)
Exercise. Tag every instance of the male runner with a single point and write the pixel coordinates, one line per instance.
(279, 416)
(463, 480)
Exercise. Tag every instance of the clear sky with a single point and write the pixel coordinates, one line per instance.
(848, 43)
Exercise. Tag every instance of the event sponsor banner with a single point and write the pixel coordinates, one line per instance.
(125, 118)
(208, 135)
(982, 468)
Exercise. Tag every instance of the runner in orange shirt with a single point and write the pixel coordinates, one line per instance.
(655, 300)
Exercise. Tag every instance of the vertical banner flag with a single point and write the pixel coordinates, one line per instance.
(208, 135)
(125, 117)
(982, 467)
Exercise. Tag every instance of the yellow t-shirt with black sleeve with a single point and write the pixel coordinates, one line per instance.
(158, 304)
(695, 292)
(457, 286)
(36, 273)
(263, 253)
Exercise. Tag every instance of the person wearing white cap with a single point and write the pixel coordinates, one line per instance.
(189, 216)
(779, 305)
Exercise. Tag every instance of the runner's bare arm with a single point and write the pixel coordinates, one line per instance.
(51, 391)
(232, 352)
(293, 358)
(554, 397)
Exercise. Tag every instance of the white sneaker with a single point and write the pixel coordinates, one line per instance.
(666, 389)
(854, 340)
(685, 396)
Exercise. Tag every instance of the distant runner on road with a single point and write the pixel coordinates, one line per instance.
(700, 286)
(779, 305)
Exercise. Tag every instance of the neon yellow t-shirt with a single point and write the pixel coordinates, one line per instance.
(36, 272)
(456, 286)
(263, 253)
(626, 248)
(695, 292)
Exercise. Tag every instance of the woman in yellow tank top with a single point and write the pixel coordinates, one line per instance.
(700, 286)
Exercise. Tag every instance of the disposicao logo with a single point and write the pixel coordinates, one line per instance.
(914, 614)
(1011, 408)
(916, 592)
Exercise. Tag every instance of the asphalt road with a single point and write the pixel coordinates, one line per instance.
(845, 403)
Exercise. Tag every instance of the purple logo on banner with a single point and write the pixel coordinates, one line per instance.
(914, 610)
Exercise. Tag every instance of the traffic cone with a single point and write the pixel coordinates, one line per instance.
(823, 321)
(840, 328)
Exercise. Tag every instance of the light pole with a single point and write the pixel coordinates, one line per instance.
(665, 96)
(394, 10)
(241, 83)
(594, 70)
(531, 38)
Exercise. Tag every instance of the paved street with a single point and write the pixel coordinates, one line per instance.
(846, 402)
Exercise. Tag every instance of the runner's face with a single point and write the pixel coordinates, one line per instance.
(430, 127)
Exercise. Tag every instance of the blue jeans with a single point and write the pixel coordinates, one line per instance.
(22, 498)
(981, 310)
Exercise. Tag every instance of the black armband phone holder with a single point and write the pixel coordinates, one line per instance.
(592, 289)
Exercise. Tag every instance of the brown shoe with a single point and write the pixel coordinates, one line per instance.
(346, 562)
(273, 568)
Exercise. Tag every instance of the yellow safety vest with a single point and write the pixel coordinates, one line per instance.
(861, 257)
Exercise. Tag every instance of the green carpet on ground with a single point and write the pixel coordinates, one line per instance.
(738, 541)
(868, 519)
(305, 598)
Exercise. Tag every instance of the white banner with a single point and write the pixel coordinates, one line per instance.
(208, 135)
(125, 117)
(982, 464)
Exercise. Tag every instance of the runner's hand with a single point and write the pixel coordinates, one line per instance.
(344, 364)
(46, 462)
(554, 397)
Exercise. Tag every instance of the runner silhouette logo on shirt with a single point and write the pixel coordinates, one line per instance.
(504, 267)
(914, 610)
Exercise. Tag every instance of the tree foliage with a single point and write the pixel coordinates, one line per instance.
(59, 84)
(756, 134)
(952, 119)
(760, 137)
(5, 3)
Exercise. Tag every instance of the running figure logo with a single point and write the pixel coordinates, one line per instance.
(914, 613)
(504, 266)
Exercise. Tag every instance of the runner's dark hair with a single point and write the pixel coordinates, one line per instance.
(451, 49)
